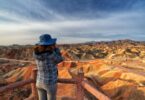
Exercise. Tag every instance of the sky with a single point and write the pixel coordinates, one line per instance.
(71, 21)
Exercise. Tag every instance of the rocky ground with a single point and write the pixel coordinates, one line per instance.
(116, 68)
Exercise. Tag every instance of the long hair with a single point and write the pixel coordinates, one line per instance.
(43, 48)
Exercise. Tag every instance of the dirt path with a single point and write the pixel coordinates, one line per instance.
(16, 60)
(34, 61)
(139, 72)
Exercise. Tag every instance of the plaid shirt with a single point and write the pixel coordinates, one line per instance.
(47, 66)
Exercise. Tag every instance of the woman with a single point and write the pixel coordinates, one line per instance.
(47, 57)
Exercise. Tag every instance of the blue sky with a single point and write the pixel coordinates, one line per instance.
(71, 21)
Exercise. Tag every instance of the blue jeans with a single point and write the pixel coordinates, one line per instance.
(46, 92)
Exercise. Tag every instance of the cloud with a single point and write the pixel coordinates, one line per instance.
(29, 9)
(45, 10)
(78, 21)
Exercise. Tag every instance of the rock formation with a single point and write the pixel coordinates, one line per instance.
(101, 62)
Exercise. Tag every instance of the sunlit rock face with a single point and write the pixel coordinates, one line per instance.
(101, 69)
(114, 82)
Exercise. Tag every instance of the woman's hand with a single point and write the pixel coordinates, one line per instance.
(50, 48)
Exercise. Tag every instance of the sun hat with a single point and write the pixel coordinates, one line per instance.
(46, 39)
